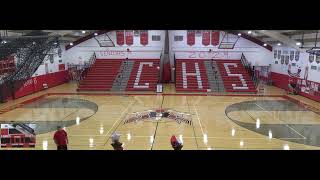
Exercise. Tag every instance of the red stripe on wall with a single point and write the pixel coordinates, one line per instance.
(282, 81)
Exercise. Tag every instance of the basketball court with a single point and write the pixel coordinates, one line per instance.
(213, 94)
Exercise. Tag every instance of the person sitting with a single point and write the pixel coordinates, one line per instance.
(176, 143)
(116, 144)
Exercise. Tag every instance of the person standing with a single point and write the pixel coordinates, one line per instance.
(176, 143)
(61, 139)
(116, 144)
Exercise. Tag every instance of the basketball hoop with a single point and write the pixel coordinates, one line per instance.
(315, 50)
(104, 40)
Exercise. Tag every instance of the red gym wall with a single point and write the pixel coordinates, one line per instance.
(35, 84)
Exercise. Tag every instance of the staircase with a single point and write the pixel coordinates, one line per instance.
(101, 75)
(121, 81)
(214, 77)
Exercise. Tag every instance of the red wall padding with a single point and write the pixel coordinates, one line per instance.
(144, 37)
(215, 38)
(129, 38)
(120, 37)
(35, 84)
(206, 38)
(191, 37)
(282, 80)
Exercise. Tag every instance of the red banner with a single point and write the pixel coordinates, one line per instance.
(129, 38)
(191, 37)
(215, 38)
(144, 37)
(120, 37)
(206, 38)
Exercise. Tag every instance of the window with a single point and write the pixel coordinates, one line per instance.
(198, 33)
(60, 60)
(276, 62)
(293, 64)
(136, 33)
(314, 67)
(178, 38)
(156, 38)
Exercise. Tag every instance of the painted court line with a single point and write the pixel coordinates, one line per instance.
(286, 124)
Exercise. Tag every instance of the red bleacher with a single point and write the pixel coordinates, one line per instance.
(101, 75)
(148, 75)
(192, 81)
(233, 77)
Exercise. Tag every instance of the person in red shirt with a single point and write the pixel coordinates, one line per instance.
(175, 143)
(61, 139)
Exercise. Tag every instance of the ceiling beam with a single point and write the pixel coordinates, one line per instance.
(281, 38)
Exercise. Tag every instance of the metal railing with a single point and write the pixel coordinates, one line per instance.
(77, 72)
(250, 70)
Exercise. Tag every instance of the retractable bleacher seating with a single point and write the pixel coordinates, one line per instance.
(235, 77)
(191, 76)
(101, 75)
(144, 75)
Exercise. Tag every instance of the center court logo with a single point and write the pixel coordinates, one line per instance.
(156, 115)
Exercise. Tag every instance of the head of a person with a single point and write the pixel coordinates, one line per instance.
(115, 137)
(59, 128)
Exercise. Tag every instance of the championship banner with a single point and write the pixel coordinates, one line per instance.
(206, 38)
(291, 55)
(129, 38)
(215, 38)
(297, 54)
(144, 37)
(191, 35)
(120, 37)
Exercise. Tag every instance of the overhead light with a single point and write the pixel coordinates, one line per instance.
(71, 44)
(33, 42)
(249, 32)
(96, 34)
(4, 42)
(298, 43)
(239, 34)
(55, 43)
(279, 44)
(83, 32)
(264, 44)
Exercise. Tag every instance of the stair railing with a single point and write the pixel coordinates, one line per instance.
(86, 68)
(250, 70)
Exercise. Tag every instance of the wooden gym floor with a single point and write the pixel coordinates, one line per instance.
(221, 121)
